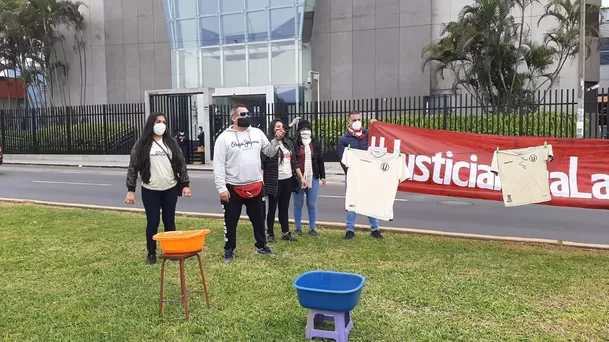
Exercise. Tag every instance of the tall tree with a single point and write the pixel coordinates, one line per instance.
(491, 54)
(31, 32)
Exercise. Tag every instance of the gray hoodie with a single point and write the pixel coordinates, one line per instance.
(237, 156)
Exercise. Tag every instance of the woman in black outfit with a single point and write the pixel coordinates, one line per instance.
(280, 175)
(158, 159)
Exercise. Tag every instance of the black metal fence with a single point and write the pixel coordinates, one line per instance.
(550, 114)
(94, 129)
(113, 129)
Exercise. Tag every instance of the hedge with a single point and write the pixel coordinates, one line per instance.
(542, 124)
(84, 138)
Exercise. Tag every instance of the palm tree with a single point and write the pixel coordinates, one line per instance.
(491, 55)
(565, 37)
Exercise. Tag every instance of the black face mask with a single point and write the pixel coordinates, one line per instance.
(243, 122)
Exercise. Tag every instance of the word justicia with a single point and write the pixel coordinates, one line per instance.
(244, 143)
(442, 169)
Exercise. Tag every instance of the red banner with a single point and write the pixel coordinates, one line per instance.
(458, 164)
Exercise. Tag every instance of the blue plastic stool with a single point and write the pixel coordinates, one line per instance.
(342, 325)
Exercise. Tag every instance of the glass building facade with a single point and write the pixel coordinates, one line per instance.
(237, 43)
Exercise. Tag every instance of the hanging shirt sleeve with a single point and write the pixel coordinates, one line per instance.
(549, 153)
(346, 158)
(495, 164)
(404, 173)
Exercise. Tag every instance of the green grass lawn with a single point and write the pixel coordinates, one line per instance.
(79, 275)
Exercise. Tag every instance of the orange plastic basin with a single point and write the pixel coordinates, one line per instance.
(182, 241)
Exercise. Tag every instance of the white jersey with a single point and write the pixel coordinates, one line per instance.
(372, 181)
(523, 174)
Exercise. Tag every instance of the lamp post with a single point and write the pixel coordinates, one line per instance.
(314, 76)
(579, 126)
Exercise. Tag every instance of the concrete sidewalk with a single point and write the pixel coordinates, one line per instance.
(333, 169)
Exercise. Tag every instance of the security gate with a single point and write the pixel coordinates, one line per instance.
(186, 110)
(178, 109)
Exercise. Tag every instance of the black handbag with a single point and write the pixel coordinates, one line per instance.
(296, 186)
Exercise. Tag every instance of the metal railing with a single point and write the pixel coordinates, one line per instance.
(114, 128)
(94, 129)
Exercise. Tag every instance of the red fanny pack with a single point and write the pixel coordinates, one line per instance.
(249, 190)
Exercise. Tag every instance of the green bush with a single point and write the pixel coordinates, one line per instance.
(82, 138)
(540, 124)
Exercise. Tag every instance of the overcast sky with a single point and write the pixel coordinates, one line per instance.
(605, 3)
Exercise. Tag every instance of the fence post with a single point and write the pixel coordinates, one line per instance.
(2, 130)
(376, 108)
(34, 137)
(521, 110)
(69, 129)
(445, 111)
(105, 124)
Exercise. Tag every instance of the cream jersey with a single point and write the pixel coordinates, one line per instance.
(161, 172)
(523, 174)
(372, 181)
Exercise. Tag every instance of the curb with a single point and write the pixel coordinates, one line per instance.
(333, 225)
(8, 162)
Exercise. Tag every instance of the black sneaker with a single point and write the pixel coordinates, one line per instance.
(229, 256)
(298, 232)
(376, 234)
(350, 235)
(271, 239)
(151, 259)
(313, 232)
(288, 237)
(265, 251)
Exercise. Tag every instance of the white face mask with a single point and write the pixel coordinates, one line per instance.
(159, 129)
(305, 135)
(356, 126)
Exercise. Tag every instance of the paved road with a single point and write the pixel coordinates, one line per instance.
(106, 187)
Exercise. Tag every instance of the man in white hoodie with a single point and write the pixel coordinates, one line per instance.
(238, 175)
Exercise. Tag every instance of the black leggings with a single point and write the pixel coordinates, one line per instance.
(153, 202)
(282, 201)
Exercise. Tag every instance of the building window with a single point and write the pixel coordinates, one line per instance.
(207, 7)
(186, 33)
(257, 26)
(277, 3)
(188, 68)
(605, 51)
(256, 4)
(212, 68)
(185, 9)
(282, 21)
(235, 74)
(283, 62)
(259, 64)
(234, 43)
(231, 6)
(233, 28)
(209, 31)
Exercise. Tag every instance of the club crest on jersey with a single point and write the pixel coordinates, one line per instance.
(385, 167)
(533, 158)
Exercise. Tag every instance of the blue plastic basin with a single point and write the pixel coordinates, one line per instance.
(330, 291)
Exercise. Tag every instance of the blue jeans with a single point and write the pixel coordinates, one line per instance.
(351, 215)
(298, 199)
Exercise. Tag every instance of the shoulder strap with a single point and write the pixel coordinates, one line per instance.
(161, 147)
